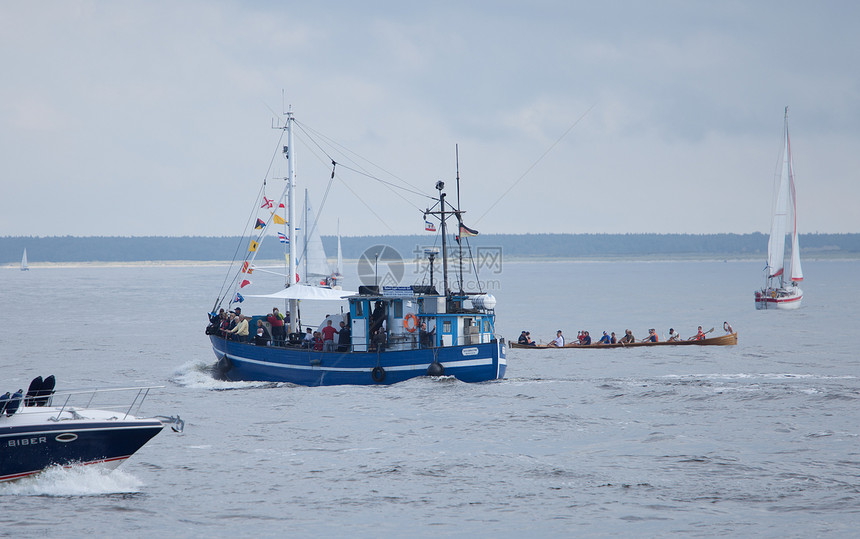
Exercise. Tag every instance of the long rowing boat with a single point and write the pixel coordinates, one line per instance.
(723, 340)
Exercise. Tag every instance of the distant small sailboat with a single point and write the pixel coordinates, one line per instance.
(24, 265)
(777, 294)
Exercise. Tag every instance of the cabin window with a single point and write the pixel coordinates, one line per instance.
(446, 326)
(359, 309)
(398, 309)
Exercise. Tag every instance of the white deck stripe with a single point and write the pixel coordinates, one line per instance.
(447, 364)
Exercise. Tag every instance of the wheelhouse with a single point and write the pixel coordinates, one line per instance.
(415, 317)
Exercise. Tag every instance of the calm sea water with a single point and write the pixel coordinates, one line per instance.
(760, 439)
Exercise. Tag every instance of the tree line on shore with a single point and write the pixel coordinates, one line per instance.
(59, 249)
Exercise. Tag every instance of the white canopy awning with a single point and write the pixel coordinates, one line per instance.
(303, 291)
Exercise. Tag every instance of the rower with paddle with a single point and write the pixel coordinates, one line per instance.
(700, 335)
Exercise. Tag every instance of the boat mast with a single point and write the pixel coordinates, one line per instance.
(291, 222)
(795, 271)
(439, 186)
(459, 218)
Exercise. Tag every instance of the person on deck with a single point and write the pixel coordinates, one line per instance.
(279, 332)
(262, 338)
(344, 338)
(559, 340)
(225, 325)
(215, 322)
(378, 341)
(218, 322)
(427, 339)
(240, 331)
(673, 336)
(523, 338)
(604, 339)
(318, 341)
(586, 339)
(628, 337)
(727, 328)
(700, 335)
(529, 340)
(377, 317)
(308, 341)
(652, 336)
(328, 333)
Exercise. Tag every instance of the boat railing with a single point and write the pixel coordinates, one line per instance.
(140, 395)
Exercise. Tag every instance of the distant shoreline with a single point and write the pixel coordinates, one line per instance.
(157, 250)
(733, 257)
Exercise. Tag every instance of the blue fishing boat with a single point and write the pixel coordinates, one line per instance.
(390, 332)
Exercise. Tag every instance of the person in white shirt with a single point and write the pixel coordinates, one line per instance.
(559, 340)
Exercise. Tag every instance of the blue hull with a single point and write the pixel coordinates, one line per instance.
(27, 450)
(242, 361)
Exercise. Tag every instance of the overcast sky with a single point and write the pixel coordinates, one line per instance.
(154, 118)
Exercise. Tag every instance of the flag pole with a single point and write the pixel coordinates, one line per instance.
(291, 221)
(459, 220)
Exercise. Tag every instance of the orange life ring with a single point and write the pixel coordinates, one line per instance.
(773, 293)
(406, 319)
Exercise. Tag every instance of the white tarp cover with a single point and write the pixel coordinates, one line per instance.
(301, 291)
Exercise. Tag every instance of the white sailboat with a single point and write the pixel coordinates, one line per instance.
(312, 261)
(777, 293)
(24, 265)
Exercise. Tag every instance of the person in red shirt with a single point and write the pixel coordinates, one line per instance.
(279, 333)
(328, 333)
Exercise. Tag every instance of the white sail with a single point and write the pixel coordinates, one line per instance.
(795, 270)
(776, 243)
(311, 261)
(24, 265)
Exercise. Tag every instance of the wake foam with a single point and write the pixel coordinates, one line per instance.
(90, 480)
(201, 375)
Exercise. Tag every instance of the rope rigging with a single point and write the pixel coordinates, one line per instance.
(533, 165)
